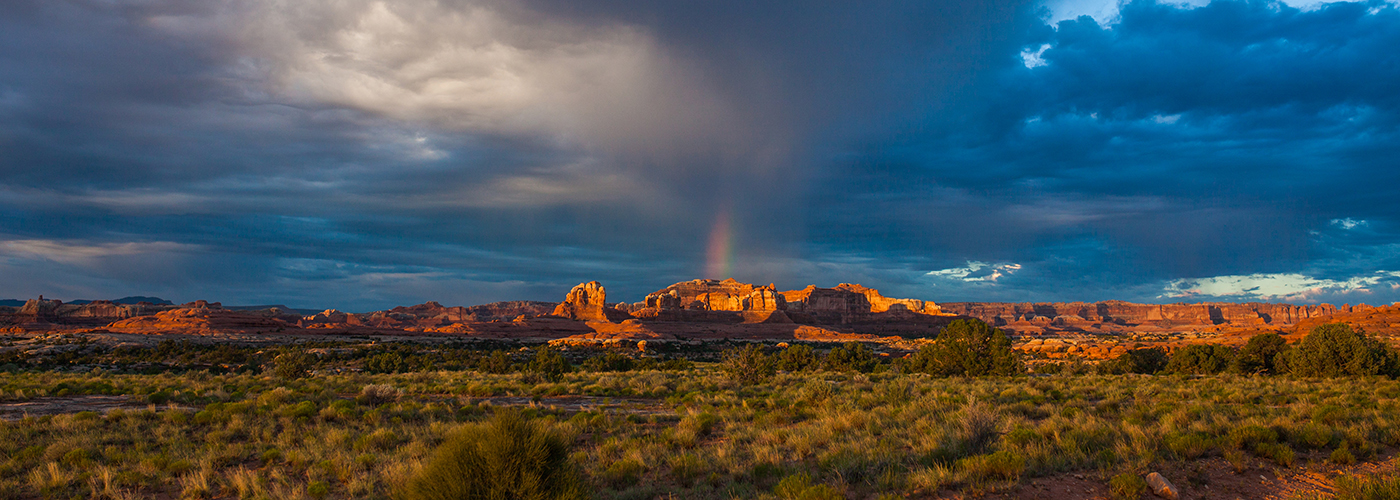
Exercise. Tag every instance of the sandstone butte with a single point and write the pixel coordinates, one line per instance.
(715, 309)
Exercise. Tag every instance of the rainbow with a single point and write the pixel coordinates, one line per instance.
(719, 255)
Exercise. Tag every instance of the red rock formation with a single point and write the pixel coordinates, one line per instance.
(850, 299)
(713, 295)
(1114, 314)
(201, 320)
(48, 314)
(585, 303)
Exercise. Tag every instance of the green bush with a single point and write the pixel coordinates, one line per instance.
(1257, 356)
(968, 348)
(797, 358)
(497, 362)
(1335, 350)
(511, 457)
(610, 362)
(292, 364)
(549, 364)
(748, 365)
(1201, 359)
(852, 356)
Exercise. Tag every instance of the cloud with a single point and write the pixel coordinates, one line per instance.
(81, 253)
(487, 67)
(977, 271)
(1348, 223)
(1280, 286)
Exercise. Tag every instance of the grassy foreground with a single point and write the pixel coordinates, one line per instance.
(821, 434)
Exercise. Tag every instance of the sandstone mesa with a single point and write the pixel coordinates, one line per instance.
(722, 309)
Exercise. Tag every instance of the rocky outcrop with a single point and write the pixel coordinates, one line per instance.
(202, 319)
(715, 295)
(849, 299)
(1090, 315)
(45, 314)
(584, 303)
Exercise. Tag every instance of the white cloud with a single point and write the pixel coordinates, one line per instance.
(1279, 286)
(81, 253)
(1032, 58)
(976, 271)
(485, 67)
(1349, 223)
(1105, 12)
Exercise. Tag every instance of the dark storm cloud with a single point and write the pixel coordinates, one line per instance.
(363, 155)
(1176, 143)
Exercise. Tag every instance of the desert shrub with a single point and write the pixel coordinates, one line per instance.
(748, 365)
(686, 468)
(1311, 435)
(1248, 436)
(292, 364)
(851, 356)
(1127, 486)
(387, 362)
(797, 358)
(511, 457)
(378, 394)
(1145, 361)
(967, 347)
(623, 473)
(1257, 356)
(1342, 456)
(1280, 453)
(691, 429)
(972, 432)
(1335, 350)
(1200, 359)
(1374, 487)
(610, 362)
(549, 364)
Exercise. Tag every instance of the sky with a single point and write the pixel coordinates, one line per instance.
(363, 154)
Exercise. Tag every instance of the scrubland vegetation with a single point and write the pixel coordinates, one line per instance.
(762, 422)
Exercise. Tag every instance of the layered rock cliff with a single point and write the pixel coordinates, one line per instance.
(38, 313)
(715, 295)
(1095, 315)
(847, 298)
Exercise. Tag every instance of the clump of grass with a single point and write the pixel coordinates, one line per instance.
(1374, 487)
(378, 394)
(1342, 456)
(511, 457)
(1127, 486)
(1002, 465)
(623, 473)
(800, 487)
